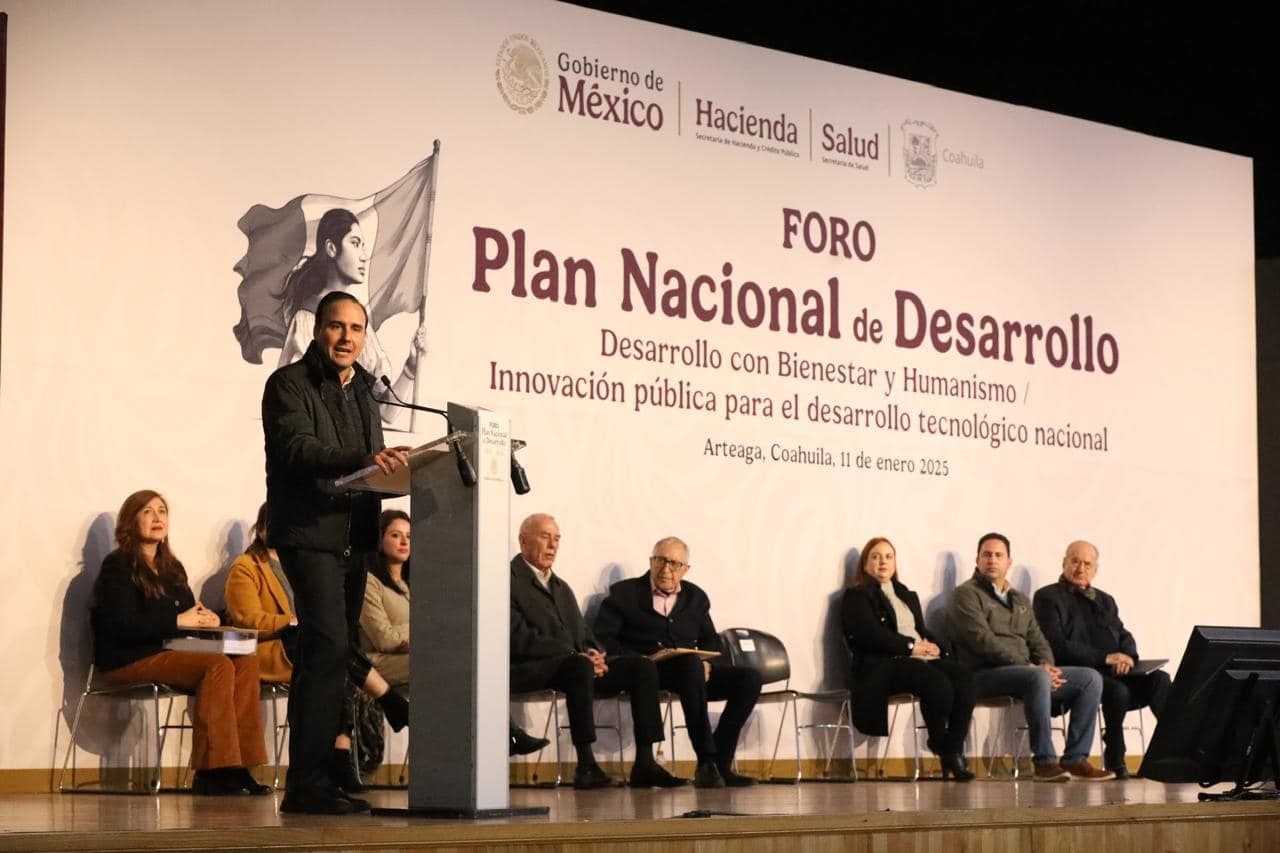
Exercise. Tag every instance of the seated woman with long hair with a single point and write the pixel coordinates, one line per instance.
(259, 596)
(893, 653)
(141, 599)
(384, 619)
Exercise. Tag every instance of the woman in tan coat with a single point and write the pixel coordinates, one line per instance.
(259, 596)
(384, 620)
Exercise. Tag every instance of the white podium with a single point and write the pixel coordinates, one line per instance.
(459, 619)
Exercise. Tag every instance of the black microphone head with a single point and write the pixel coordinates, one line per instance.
(519, 478)
(385, 380)
(465, 469)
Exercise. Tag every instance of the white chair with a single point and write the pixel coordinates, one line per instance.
(896, 702)
(550, 731)
(1000, 703)
(155, 691)
(272, 692)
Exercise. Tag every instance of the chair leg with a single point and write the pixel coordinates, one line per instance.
(853, 754)
(915, 738)
(777, 743)
(887, 740)
(795, 728)
(1017, 747)
(618, 731)
(404, 766)
(829, 743)
(182, 727)
(277, 737)
(550, 733)
(844, 722)
(71, 746)
(162, 732)
(669, 720)
(554, 716)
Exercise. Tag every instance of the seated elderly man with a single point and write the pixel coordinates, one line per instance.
(1082, 624)
(660, 610)
(552, 647)
(995, 634)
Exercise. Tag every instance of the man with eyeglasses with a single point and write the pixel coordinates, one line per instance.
(660, 610)
(552, 647)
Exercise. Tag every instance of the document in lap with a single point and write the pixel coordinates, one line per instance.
(666, 654)
(1146, 667)
(220, 641)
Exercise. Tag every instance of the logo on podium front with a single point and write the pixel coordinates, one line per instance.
(494, 442)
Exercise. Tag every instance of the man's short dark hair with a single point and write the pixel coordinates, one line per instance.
(332, 298)
(1008, 549)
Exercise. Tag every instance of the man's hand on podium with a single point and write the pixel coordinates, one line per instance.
(390, 458)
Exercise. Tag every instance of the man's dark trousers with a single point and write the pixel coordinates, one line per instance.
(738, 686)
(328, 594)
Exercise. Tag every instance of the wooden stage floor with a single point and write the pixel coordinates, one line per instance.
(1130, 816)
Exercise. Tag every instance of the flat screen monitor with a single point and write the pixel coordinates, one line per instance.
(1220, 721)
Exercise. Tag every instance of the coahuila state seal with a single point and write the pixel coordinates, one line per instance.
(920, 152)
(522, 74)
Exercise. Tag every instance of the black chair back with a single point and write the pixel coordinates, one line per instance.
(762, 652)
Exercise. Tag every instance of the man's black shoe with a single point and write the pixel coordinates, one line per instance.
(653, 776)
(523, 743)
(1121, 771)
(735, 780)
(319, 801)
(250, 784)
(357, 804)
(217, 783)
(589, 776)
(707, 776)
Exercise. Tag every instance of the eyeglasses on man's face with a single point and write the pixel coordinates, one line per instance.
(664, 564)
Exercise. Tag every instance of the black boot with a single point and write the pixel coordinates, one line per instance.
(395, 708)
(250, 784)
(342, 769)
(218, 782)
(953, 767)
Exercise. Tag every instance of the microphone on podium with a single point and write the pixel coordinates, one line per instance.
(466, 471)
(519, 478)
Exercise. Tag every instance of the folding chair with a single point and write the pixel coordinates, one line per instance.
(766, 654)
(896, 701)
(272, 692)
(155, 691)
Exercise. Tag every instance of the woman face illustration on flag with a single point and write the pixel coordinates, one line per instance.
(376, 248)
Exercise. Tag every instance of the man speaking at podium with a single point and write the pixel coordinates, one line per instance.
(321, 422)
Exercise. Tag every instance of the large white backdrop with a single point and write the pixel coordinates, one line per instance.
(139, 133)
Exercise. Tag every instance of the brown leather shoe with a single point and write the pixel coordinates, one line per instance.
(1051, 772)
(1087, 772)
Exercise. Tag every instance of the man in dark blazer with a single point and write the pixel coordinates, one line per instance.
(552, 647)
(1082, 624)
(320, 422)
(660, 610)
